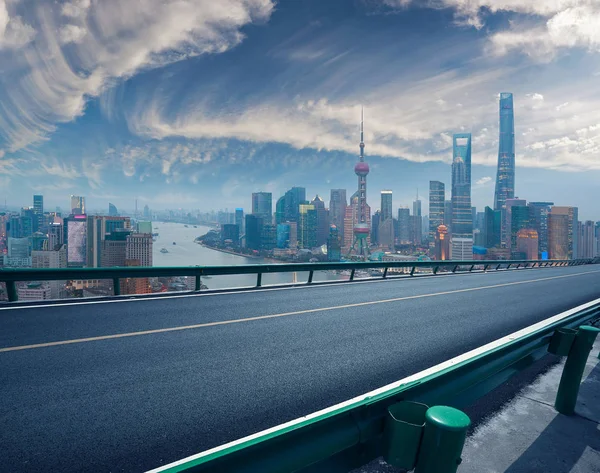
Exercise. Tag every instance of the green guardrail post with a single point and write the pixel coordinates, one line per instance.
(198, 284)
(258, 279)
(412, 271)
(568, 389)
(385, 272)
(352, 275)
(435, 269)
(11, 290)
(116, 287)
(310, 277)
(402, 434)
(443, 440)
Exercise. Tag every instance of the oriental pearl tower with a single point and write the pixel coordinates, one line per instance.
(361, 226)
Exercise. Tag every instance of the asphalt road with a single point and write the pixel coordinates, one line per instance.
(137, 389)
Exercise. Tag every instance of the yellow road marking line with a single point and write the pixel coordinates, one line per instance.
(273, 316)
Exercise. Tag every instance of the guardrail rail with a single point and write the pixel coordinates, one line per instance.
(11, 276)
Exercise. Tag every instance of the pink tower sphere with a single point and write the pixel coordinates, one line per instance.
(361, 169)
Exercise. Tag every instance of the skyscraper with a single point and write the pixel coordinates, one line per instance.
(337, 210)
(307, 227)
(333, 244)
(492, 227)
(253, 231)
(239, 219)
(404, 225)
(112, 210)
(77, 205)
(526, 244)
(538, 220)
(507, 232)
(262, 206)
(587, 239)
(139, 248)
(76, 241)
(385, 228)
(437, 195)
(287, 207)
(519, 221)
(462, 218)
(562, 233)
(375, 221)
(361, 227)
(38, 211)
(322, 220)
(505, 177)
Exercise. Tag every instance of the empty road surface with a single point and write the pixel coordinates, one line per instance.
(127, 386)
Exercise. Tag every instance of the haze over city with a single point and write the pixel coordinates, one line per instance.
(236, 97)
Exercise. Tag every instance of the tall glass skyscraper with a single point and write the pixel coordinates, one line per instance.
(462, 218)
(437, 196)
(262, 206)
(505, 178)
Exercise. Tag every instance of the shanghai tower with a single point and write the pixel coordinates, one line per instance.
(505, 178)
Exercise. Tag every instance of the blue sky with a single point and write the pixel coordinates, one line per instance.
(197, 103)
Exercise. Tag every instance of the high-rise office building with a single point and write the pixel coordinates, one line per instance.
(519, 220)
(38, 211)
(361, 228)
(283, 235)
(385, 229)
(404, 226)
(442, 243)
(505, 177)
(538, 220)
(98, 226)
(375, 221)
(462, 217)
(112, 210)
(507, 233)
(307, 227)
(587, 239)
(114, 248)
(334, 249)
(19, 253)
(437, 196)
(55, 235)
(262, 206)
(253, 231)
(230, 234)
(27, 221)
(76, 228)
(322, 220)
(139, 248)
(562, 232)
(416, 229)
(526, 244)
(288, 205)
(492, 227)
(239, 219)
(337, 210)
(77, 205)
(50, 259)
(146, 213)
(268, 237)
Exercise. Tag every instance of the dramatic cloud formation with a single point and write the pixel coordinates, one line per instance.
(78, 48)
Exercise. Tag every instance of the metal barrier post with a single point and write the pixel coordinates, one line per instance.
(471, 268)
(385, 272)
(485, 267)
(116, 287)
(455, 268)
(443, 440)
(566, 398)
(198, 284)
(11, 289)
(352, 275)
(258, 279)
(435, 270)
(498, 267)
(412, 271)
(310, 277)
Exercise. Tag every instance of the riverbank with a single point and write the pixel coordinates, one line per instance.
(230, 252)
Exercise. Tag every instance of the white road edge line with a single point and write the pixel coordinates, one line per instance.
(427, 372)
(239, 290)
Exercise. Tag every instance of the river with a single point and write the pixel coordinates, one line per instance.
(186, 252)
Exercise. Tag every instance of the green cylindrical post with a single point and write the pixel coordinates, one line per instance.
(11, 291)
(198, 284)
(568, 389)
(443, 440)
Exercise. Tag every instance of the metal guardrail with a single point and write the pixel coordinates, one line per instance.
(351, 434)
(11, 276)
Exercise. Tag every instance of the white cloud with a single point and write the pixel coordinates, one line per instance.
(72, 34)
(536, 96)
(42, 85)
(483, 181)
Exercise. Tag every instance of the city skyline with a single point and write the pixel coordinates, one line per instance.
(284, 93)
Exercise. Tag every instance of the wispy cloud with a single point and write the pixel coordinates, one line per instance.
(483, 181)
(60, 55)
